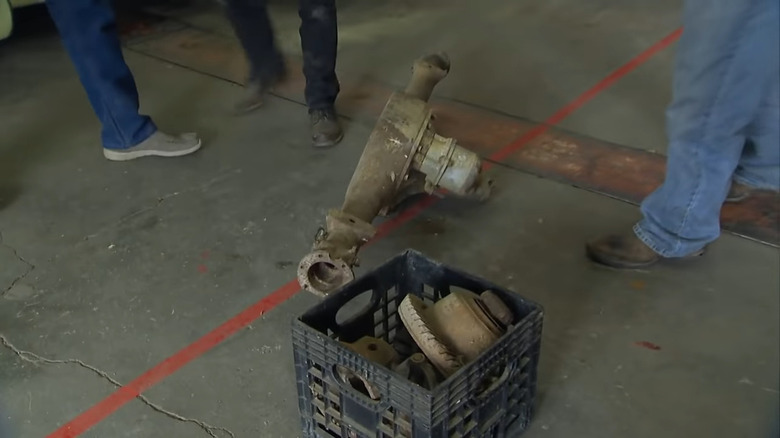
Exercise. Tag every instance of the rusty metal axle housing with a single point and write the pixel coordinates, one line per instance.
(404, 156)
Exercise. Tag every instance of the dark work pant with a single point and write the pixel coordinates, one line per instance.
(319, 40)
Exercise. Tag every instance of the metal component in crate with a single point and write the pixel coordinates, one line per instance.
(491, 397)
(453, 331)
(419, 370)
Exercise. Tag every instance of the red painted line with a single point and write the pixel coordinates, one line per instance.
(585, 97)
(107, 406)
(121, 396)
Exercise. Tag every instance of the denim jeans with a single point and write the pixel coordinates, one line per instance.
(319, 40)
(89, 33)
(722, 123)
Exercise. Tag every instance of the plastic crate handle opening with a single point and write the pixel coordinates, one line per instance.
(509, 371)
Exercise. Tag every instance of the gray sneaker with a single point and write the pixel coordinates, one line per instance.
(158, 144)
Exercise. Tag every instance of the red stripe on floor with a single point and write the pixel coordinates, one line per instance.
(575, 104)
(121, 396)
(98, 412)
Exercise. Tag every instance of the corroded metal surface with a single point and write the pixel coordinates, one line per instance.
(403, 156)
(376, 350)
(453, 331)
(419, 370)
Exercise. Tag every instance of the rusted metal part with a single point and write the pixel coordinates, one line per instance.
(617, 171)
(426, 73)
(419, 370)
(497, 308)
(335, 251)
(358, 382)
(403, 156)
(375, 349)
(454, 331)
(625, 173)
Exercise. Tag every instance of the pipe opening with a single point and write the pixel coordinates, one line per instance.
(320, 274)
(325, 276)
(438, 60)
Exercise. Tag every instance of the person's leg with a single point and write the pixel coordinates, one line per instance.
(319, 42)
(759, 166)
(719, 73)
(88, 31)
(254, 30)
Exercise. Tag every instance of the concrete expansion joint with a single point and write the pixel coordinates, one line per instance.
(30, 266)
(35, 359)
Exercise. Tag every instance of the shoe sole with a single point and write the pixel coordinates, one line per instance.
(329, 144)
(628, 265)
(592, 255)
(736, 199)
(113, 155)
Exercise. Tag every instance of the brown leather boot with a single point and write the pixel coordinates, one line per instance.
(624, 251)
(325, 128)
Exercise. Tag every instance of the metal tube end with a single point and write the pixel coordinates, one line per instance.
(440, 61)
(427, 71)
(321, 275)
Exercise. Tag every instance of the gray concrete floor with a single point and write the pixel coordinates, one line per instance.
(120, 265)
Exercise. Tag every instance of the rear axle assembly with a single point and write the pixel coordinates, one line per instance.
(404, 156)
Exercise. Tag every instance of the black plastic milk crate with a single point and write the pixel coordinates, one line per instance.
(493, 396)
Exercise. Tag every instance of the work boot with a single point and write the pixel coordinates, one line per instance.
(256, 92)
(158, 144)
(738, 192)
(625, 251)
(325, 128)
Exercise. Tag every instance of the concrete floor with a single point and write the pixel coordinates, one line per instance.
(120, 265)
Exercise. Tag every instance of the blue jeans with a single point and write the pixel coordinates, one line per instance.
(89, 33)
(319, 41)
(722, 123)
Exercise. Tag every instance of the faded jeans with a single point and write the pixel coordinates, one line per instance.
(89, 33)
(723, 123)
(319, 41)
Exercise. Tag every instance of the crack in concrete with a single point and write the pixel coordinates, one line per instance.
(30, 266)
(160, 200)
(38, 360)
